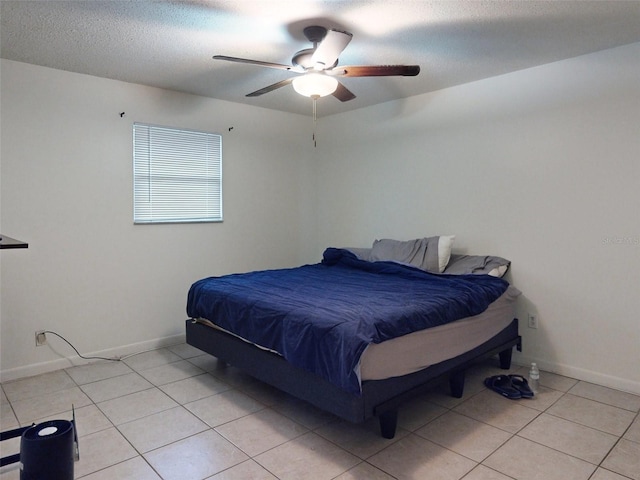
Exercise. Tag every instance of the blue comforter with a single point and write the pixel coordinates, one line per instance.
(321, 317)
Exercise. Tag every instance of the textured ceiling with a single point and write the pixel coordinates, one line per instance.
(169, 44)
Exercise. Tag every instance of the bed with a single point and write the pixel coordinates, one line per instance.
(364, 330)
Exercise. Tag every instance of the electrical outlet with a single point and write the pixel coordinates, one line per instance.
(533, 320)
(41, 338)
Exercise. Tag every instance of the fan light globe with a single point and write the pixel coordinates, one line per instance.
(315, 85)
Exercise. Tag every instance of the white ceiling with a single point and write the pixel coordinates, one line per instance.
(169, 44)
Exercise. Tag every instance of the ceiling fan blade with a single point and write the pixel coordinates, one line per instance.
(330, 48)
(270, 88)
(376, 71)
(343, 94)
(259, 63)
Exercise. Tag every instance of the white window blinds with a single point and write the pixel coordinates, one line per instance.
(177, 175)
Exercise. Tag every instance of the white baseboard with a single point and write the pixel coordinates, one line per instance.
(617, 383)
(605, 380)
(60, 363)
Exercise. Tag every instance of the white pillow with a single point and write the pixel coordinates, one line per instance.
(499, 271)
(445, 242)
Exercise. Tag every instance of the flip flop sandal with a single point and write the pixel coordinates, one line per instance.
(520, 383)
(502, 385)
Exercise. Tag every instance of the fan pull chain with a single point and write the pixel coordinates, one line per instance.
(315, 119)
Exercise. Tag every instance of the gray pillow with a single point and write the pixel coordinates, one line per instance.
(477, 265)
(422, 253)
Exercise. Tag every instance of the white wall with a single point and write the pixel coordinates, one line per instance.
(541, 166)
(89, 273)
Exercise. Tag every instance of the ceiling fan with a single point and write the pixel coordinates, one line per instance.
(318, 67)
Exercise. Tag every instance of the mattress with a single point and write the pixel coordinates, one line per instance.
(415, 351)
(418, 350)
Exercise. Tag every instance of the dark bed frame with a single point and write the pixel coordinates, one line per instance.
(379, 398)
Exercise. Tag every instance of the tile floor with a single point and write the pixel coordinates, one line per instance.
(176, 414)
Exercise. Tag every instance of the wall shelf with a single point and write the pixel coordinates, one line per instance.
(8, 242)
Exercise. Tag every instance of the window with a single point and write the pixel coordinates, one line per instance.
(177, 175)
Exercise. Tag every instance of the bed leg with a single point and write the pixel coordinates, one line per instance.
(456, 383)
(505, 358)
(388, 423)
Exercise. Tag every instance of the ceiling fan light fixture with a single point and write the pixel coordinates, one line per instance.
(315, 85)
